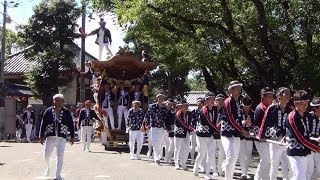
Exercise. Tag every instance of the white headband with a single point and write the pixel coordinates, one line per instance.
(234, 85)
(58, 96)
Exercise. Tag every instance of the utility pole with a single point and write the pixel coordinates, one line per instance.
(82, 53)
(2, 85)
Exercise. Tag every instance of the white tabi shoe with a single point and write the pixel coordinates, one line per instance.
(201, 168)
(195, 172)
(132, 157)
(215, 174)
(46, 172)
(59, 178)
(138, 157)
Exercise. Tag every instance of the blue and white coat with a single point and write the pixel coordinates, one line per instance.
(135, 119)
(56, 126)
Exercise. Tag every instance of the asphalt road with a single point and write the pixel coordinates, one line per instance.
(24, 161)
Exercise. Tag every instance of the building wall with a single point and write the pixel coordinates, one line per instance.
(70, 91)
(10, 114)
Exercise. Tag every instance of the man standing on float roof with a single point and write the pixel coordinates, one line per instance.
(103, 38)
(55, 125)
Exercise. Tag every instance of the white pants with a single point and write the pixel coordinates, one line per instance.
(28, 127)
(50, 144)
(284, 164)
(33, 132)
(109, 111)
(313, 166)
(149, 143)
(18, 134)
(181, 150)
(245, 153)
(310, 166)
(166, 143)
(299, 167)
(122, 111)
(157, 139)
(135, 136)
(218, 149)
(79, 134)
(193, 144)
(264, 165)
(101, 46)
(231, 146)
(316, 172)
(170, 152)
(277, 155)
(206, 147)
(86, 132)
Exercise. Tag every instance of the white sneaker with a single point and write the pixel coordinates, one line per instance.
(207, 177)
(177, 167)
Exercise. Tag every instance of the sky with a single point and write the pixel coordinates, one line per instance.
(24, 11)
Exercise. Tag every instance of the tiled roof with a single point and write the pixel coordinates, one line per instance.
(17, 64)
(19, 90)
(192, 97)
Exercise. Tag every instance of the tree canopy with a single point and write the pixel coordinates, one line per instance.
(52, 27)
(13, 41)
(261, 43)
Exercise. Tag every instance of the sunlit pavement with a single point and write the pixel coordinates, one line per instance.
(23, 161)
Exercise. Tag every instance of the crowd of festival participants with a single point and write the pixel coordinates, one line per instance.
(284, 129)
(223, 129)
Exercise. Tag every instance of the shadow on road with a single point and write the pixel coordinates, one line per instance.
(5, 146)
(104, 152)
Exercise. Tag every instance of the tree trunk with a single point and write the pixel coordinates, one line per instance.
(210, 84)
(170, 85)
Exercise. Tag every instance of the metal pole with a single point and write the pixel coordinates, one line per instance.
(2, 86)
(82, 53)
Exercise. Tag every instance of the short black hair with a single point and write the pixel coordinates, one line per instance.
(247, 101)
(300, 95)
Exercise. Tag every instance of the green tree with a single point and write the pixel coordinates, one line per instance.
(50, 30)
(261, 43)
(13, 41)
